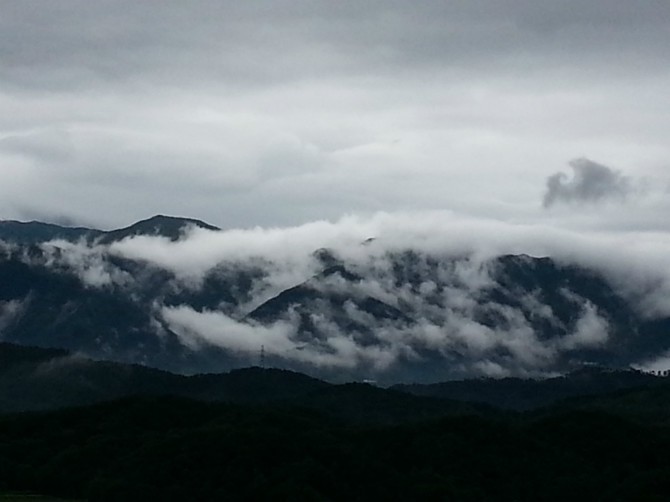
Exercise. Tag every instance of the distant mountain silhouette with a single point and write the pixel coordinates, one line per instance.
(526, 394)
(34, 232)
(34, 379)
(38, 379)
(157, 226)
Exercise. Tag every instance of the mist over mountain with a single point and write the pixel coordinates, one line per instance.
(391, 299)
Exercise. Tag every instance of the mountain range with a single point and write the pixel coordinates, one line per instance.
(33, 378)
(177, 295)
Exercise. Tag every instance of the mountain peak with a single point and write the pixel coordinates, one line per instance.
(159, 225)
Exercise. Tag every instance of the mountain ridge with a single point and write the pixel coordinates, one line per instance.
(33, 378)
(370, 313)
(33, 232)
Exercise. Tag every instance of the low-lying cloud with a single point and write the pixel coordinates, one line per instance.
(429, 274)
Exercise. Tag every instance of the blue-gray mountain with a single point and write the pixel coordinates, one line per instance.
(152, 294)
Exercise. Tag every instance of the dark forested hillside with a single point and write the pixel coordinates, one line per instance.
(173, 449)
(267, 434)
(41, 379)
(526, 394)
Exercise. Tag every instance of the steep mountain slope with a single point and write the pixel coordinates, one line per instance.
(334, 292)
(51, 307)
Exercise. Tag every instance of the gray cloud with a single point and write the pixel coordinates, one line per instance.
(285, 112)
(591, 182)
(111, 112)
(121, 42)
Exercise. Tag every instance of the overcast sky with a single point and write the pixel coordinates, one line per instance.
(277, 113)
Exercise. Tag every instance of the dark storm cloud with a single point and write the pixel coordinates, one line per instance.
(73, 43)
(591, 182)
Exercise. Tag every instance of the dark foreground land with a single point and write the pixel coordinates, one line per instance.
(176, 449)
(28, 497)
(83, 430)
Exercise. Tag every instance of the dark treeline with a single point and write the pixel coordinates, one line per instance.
(168, 449)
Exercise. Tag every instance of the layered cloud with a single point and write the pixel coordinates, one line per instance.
(283, 113)
(627, 257)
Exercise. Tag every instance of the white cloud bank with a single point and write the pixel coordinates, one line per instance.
(635, 261)
(441, 313)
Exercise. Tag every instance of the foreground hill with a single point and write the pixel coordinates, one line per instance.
(263, 434)
(40, 379)
(32, 378)
(174, 449)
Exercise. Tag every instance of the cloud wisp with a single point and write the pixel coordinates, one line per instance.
(591, 183)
